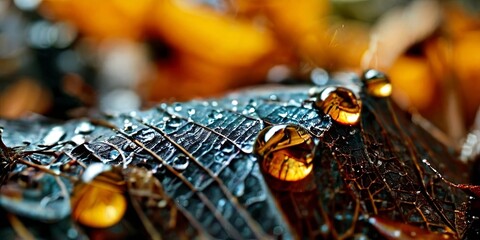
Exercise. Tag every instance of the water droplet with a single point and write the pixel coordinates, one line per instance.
(234, 102)
(376, 83)
(191, 111)
(177, 107)
(239, 189)
(130, 146)
(215, 114)
(113, 155)
(214, 104)
(340, 103)
(228, 148)
(285, 152)
(174, 122)
(180, 163)
(53, 136)
(84, 128)
(283, 115)
(146, 136)
(273, 97)
(128, 126)
(248, 109)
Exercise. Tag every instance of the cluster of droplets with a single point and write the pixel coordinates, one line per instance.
(286, 151)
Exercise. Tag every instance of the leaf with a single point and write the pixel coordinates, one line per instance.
(195, 161)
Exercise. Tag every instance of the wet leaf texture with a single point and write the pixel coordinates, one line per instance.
(198, 159)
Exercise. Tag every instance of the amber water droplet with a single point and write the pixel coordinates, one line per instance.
(285, 152)
(340, 103)
(377, 83)
(101, 202)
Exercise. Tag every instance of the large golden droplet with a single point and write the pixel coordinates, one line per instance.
(101, 202)
(285, 152)
(340, 103)
(377, 83)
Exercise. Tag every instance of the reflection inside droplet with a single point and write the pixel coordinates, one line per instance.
(340, 103)
(285, 152)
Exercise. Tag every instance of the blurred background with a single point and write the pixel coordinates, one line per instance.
(63, 58)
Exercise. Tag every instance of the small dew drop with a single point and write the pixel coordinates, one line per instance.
(215, 114)
(174, 122)
(113, 155)
(128, 126)
(177, 107)
(147, 136)
(239, 190)
(180, 163)
(191, 111)
(249, 109)
(285, 152)
(283, 115)
(273, 97)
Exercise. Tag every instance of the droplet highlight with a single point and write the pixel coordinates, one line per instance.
(54, 136)
(340, 103)
(84, 128)
(181, 162)
(285, 152)
(376, 83)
